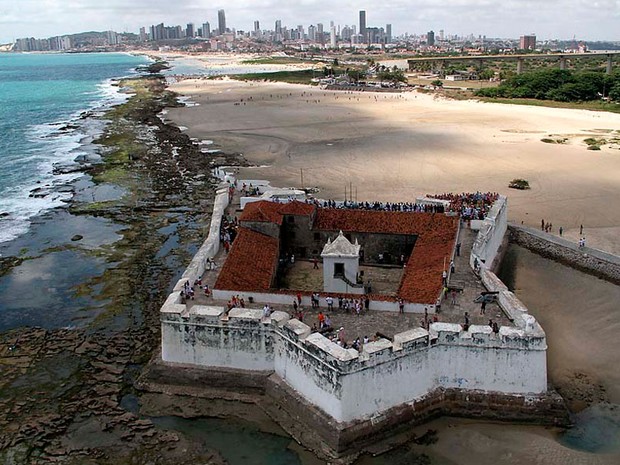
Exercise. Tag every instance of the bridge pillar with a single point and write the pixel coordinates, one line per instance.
(441, 65)
(520, 65)
(609, 64)
(562, 62)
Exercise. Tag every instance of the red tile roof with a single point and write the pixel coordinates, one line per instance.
(297, 208)
(253, 259)
(262, 211)
(422, 279)
(251, 263)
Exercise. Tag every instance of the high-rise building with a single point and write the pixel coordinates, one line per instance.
(157, 32)
(112, 38)
(221, 21)
(189, 31)
(528, 42)
(363, 25)
(332, 37)
(441, 34)
(388, 33)
(256, 26)
(143, 34)
(430, 38)
(206, 30)
(320, 33)
(312, 33)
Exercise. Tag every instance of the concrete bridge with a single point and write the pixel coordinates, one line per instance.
(520, 59)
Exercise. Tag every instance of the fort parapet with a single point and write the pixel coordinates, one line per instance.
(336, 400)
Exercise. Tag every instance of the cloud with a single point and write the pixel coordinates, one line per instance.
(587, 19)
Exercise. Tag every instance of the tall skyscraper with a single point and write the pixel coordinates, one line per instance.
(388, 33)
(363, 25)
(312, 33)
(206, 30)
(190, 31)
(332, 37)
(430, 38)
(221, 21)
(256, 26)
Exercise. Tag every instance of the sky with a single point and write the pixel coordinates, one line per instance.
(548, 19)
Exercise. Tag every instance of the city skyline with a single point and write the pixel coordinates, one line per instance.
(596, 21)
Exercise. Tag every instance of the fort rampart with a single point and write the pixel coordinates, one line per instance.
(348, 397)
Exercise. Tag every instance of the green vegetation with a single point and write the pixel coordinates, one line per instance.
(437, 83)
(154, 68)
(558, 85)
(595, 143)
(121, 141)
(276, 60)
(392, 75)
(521, 184)
(303, 76)
(556, 140)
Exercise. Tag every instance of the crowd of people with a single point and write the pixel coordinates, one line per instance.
(228, 231)
(471, 206)
(381, 206)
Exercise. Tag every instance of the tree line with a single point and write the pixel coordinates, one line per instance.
(559, 85)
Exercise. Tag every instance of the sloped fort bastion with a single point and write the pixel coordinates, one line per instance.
(337, 400)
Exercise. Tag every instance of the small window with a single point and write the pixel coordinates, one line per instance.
(317, 236)
(338, 269)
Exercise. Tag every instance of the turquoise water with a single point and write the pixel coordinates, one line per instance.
(39, 95)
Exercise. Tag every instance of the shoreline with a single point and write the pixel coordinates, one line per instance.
(111, 321)
(72, 136)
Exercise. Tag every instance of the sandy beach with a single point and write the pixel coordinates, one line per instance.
(399, 146)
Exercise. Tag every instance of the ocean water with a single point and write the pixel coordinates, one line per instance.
(40, 94)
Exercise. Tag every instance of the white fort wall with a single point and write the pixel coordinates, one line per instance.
(491, 232)
(348, 385)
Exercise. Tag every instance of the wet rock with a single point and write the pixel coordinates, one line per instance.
(68, 127)
(66, 168)
(40, 192)
(77, 237)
